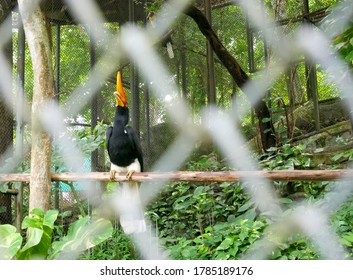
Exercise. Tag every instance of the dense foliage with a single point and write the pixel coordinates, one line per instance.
(218, 221)
(39, 242)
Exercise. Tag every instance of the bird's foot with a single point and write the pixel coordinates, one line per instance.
(129, 174)
(112, 175)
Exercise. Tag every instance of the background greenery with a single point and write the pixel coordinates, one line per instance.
(193, 221)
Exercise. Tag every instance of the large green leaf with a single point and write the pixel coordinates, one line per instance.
(10, 242)
(39, 234)
(34, 219)
(81, 236)
(226, 243)
(32, 250)
(50, 218)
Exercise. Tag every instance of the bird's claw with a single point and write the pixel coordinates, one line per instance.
(112, 175)
(129, 175)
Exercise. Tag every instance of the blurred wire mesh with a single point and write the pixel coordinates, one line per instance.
(106, 47)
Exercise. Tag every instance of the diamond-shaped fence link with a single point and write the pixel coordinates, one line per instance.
(86, 57)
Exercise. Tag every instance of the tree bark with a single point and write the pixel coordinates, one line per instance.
(37, 34)
(267, 131)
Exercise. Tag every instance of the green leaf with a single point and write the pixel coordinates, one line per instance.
(243, 234)
(10, 242)
(188, 253)
(39, 234)
(37, 245)
(276, 253)
(222, 256)
(34, 219)
(337, 157)
(345, 242)
(37, 213)
(182, 202)
(3, 188)
(50, 218)
(349, 57)
(234, 250)
(231, 219)
(34, 236)
(226, 243)
(244, 207)
(81, 236)
(199, 190)
(348, 237)
(285, 200)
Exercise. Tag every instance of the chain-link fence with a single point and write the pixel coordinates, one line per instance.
(170, 112)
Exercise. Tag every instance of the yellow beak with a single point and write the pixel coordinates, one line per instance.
(120, 93)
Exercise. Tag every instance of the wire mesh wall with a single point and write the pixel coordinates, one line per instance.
(87, 55)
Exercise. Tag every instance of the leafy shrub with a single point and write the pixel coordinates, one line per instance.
(82, 235)
(118, 247)
(291, 157)
(223, 241)
(342, 221)
(298, 248)
(217, 221)
(194, 219)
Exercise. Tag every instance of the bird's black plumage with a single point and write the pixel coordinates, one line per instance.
(122, 142)
(125, 155)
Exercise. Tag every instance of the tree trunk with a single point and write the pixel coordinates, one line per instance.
(37, 34)
(268, 137)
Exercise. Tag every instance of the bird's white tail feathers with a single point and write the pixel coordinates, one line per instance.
(130, 209)
(170, 50)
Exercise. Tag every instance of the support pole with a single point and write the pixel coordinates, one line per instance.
(57, 61)
(57, 97)
(311, 87)
(251, 58)
(19, 116)
(6, 119)
(147, 118)
(134, 84)
(94, 105)
(211, 91)
(183, 69)
(250, 41)
(267, 64)
(311, 78)
(94, 118)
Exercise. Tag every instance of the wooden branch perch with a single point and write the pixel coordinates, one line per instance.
(196, 176)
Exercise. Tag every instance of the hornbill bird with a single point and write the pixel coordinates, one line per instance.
(125, 155)
(167, 42)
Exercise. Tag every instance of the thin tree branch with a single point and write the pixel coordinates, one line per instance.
(267, 131)
(195, 176)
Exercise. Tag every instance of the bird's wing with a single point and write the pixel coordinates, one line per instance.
(136, 144)
(108, 134)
